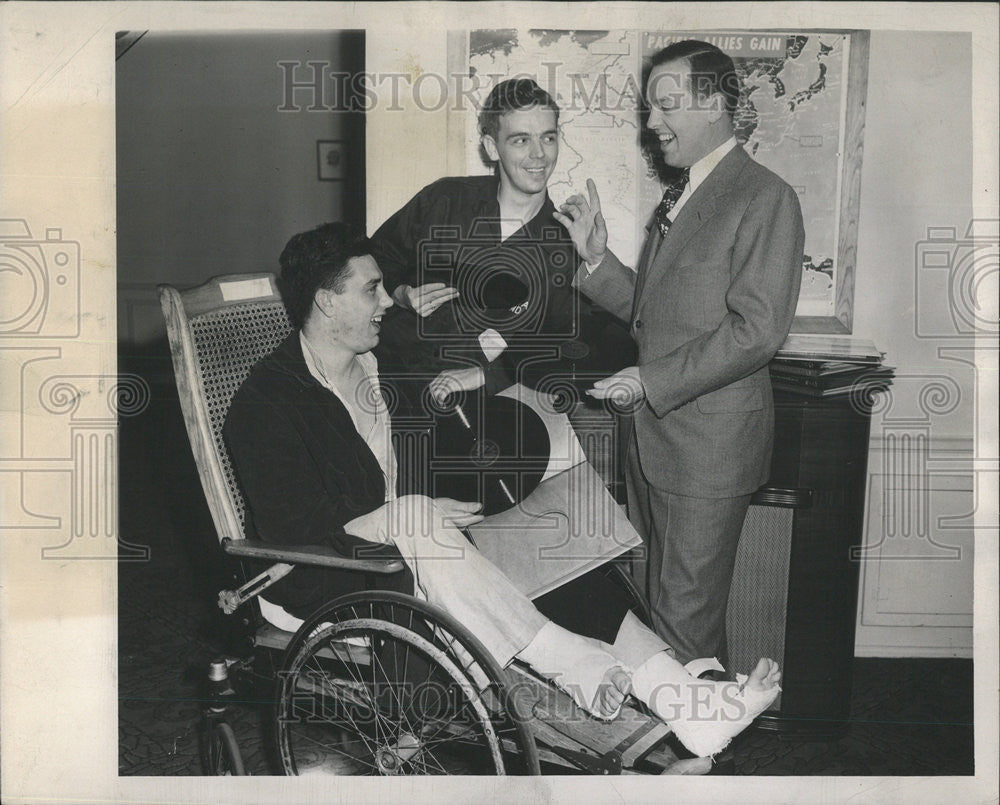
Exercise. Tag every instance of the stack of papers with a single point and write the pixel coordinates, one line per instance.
(836, 348)
(829, 366)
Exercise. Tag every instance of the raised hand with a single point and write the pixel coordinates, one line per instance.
(583, 220)
(424, 299)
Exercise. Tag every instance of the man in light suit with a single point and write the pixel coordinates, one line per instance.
(711, 301)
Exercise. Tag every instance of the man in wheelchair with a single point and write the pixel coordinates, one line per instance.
(309, 435)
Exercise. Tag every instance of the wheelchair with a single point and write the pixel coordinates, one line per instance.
(376, 682)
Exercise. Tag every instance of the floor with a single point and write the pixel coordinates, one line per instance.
(908, 716)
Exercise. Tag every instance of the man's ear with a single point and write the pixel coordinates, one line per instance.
(716, 106)
(322, 301)
(490, 147)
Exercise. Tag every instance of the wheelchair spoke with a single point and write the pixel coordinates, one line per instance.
(332, 747)
(448, 737)
(416, 761)
(418, 708)
(389, 686)
(359, 688)
(357, 729)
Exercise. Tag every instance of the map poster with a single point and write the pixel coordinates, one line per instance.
(800, 114)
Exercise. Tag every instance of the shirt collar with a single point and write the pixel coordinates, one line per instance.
(708, 163)
(368, 362)
(543, 218)
(489, 199)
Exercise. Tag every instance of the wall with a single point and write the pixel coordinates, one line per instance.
(916, 596)
(212, 177)
(405, 143)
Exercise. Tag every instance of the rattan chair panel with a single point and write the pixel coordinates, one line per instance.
(228, 342)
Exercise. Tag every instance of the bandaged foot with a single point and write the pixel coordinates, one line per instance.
(595, 680)
(705, 715)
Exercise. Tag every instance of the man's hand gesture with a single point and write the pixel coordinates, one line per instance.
(424, 299)
(459, 513)
(451, 381)
(624, 389)
(585, 224)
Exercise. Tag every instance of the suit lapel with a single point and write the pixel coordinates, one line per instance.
(702, 204)
(649, 251)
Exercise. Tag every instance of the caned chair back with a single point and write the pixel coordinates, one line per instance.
(217, 332)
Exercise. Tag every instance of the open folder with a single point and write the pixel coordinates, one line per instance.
(567, 526)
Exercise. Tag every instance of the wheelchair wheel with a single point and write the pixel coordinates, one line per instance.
(379, 683)
(222, 753)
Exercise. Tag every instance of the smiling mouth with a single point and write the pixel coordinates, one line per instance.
(376, 321)
(666, 138)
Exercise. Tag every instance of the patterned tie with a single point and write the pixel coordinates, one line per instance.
(673, 192)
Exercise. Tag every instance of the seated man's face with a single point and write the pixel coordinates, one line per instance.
(527, 147)
(355, 314)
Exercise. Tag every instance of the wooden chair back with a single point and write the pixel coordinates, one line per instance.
(217, 332)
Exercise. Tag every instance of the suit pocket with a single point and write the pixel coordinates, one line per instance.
(704, 257)
(738, 398)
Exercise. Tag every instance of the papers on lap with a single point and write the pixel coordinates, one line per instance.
(568, 526)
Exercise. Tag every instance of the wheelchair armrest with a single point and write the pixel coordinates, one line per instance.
(317, 555)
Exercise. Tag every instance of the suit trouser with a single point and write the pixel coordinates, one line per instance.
(453, 575)
(687, 567)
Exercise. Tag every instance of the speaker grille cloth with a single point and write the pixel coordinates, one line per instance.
(755, 620)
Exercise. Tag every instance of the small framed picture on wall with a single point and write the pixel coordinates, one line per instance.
(331, 160)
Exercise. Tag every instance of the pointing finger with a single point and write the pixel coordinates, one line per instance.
(595, 200)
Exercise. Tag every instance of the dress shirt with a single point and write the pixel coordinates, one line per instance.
(378, 438)
(699, 173)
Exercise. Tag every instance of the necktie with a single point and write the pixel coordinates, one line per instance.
(673, 192)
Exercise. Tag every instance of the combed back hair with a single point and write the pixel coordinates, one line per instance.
(317, 259)
(512, 95)
(711, 70)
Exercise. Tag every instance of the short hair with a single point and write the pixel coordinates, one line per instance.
(317, 259)
(512, 95)
(711, 70)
